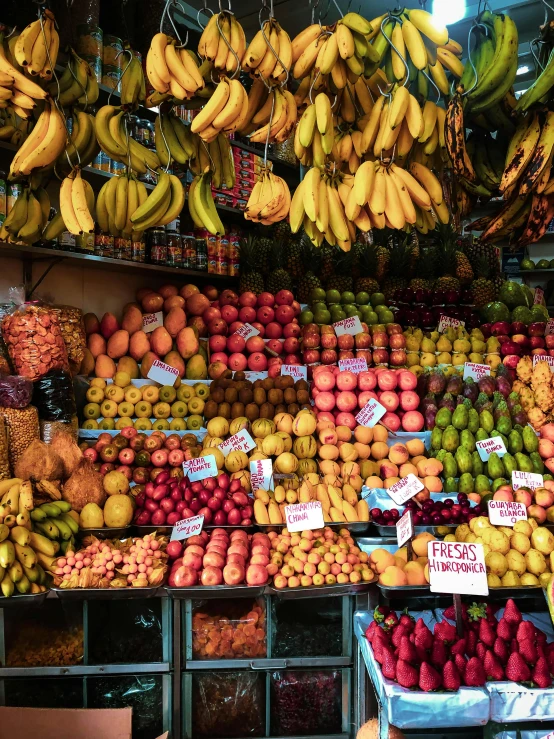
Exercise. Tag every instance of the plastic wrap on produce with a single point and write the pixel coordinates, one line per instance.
(306, 703)
(53, 397)
(228, 704)
(229, 629)
(15, 391)
(379, 498)
(409, 709)
(143, 693)
(494, 730)
(135, 632)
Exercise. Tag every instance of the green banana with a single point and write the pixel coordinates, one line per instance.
(23, 585)
(71, 522)
(539, 88)
(64, 529)
(63, 505)
(32, 573)
(49, 529)
(52, 510)
(16, 571)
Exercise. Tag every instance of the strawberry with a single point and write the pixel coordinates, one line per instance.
(540, 638)
(370, 631)
(445, 631)
(525, 630)
(480, 650)
(501, 650)
(512, 613)
(471, 643)
(391, 621)
(541, 674)
(505, 629)
(407, 651)
(422, 654)
(486, 633)
(380, 613)
(493, 668)
(438, 654)
(406, 675)
(459, 647)
(388, 665)
(460, 661)
(423, 637)
(474, 675)
(429, 678)
(378, 648)
(450, 676)
(398, 633)
(407, 620)
(450, 612)
(514, 646)
(528, 651)
(517, 669)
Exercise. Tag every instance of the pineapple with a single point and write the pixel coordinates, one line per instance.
(265, 246)
(327, 262)
(251, 280)
(295, 266)
(367, 260)
(424, 271)
(400, 256)
(476, 251)
(279, 279)
(483, 291)
(311, 257)
(446, 258)
(341, 279)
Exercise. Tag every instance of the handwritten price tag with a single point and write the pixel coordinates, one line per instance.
(405, 528)
(446, 322)
(162, 373)
(298, 371)
(200, 467)
(247, 331)
(476, 371)
(544, 358)
(187, 527)
(304, 516)
(526, 480)
(261, 474)
(371, 413)
(539, 296)
(353, 365)
(151, 321)
(350, 325)
(405, 489)
(503, 513)
(488, 446)
(549, 329)
(457, 567)
(241, 442)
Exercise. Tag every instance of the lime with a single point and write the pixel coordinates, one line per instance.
(322, 316)
(351, 310)
(318, 305)
(347, 297)
(380, 309)
(377, 299)
(371, 318)
(348, 306)
(305, 317)
(318, 293)
(362, 298)
(332, 296)
(387, 316)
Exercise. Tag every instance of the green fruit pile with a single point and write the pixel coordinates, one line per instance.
(326, 307)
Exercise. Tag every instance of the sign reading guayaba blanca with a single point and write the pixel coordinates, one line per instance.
(476, 371)
(350, 325)
(162, 373)
(304, 516)
(355, 365)
(187, 527)
(261, 474)
(200, 468)
(457, 567)
(298, 371)
(405, 489)
(446, 322)
(526, 480)
(151, 321)
(241, 442)
(505, 513)
(488, 446)
(247, 331)
(405, 528)
(371, 413)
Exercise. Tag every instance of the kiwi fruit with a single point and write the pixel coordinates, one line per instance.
(224, 410)
(289, 395)
(259, 396)
(231, 395)
(210, 409)
(275, 396)
(252, 411)
(302, 397)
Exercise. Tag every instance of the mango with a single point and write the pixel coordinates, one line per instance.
(132, 319)
(108, 325)
(128, 365)
(96, 344)
(139, 345)
(175, 320)
(92, 324)
(174, 359)
(87, 365)
(147, 362)
(104, 367)
(196, 368)
(118, 344)
(187, 343)
(160, 341)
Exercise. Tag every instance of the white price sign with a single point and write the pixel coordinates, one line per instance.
(549, 327)
(247, 331)
(504, 513)
(476, 371)
(446, 322)
(544, 358)
(356, 365)
(371, 413)
(405, 489)
(304, 516)
(187, 527)
(241, 442)
(405, 528)
(261, 474)
(539, 296)
(151, 321)
(200, 467)
(350, 325)
(162, 373)
(298, 371)
(488, 446)
(526, 480)
(457, 567)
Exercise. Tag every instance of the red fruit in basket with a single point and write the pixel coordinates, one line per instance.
(474, 675)
(525, 631)
(450, 676)
(438, 654)
(480, 651)
(233, 517)
(517, 669)
(504, 630)
(158, 518)
(528, 651)
(398, 634)
(461, 662)
(541, 674)
(407, 651)
(143, 518)
(406, 675)
(388, 666)
(471, 643)
(429, 678)
(445, 632)
(493, 668)
(501, 650)
(486, 633)
(167, 505)
(423, 638)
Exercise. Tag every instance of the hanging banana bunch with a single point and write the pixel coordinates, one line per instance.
(44, 144)
(117, 201)
(77, 204)
(173, 70)
(133, 85)
(83, 146)
(269, 201)
(202, 206)
(269, 54)
(27, 218)
(223, 43)
(12, 76)
(36, 48)
(226, 110)
(77, 84)
(13, 128)
(114, 141)
(173, 139)
(162, 206)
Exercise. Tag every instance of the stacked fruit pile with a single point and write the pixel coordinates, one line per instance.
(377, 344)
(395, 570)
(451, 348)
(451, 510)
(534, 385)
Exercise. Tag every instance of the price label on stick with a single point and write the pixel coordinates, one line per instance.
(297, 371)
(446, 322)
(476, 371)
(371, 413)
(200, 467)
(355, 365)
(544, 358)
(304, 516)
(405, 489)
(405, 528)
(162, 373)
(457, 567)
(488, 446)
(187, 527)
(350, 325)
(526, 480)
(247, 331)
(539, 296)
(549, 327)
(151, 321)
(504, 513)
(261, 474)
(241, 442)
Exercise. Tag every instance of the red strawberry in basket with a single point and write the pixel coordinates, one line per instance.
(407, 651)
(541, 674)
(486, 633)
(461, 663)
(429, 678)
(423, 638)
(493, 668)
(406, 675)
(391, 621)
(398, 633)
(438, 654)
(407, 621)
(501, 650)
(445, 631)
(388, 665)
(525, 631)
(528, 651)
(474, 676)
(371, 631)
(459, 647)
(512, 614)
(480, 651)
(450, 676)
(450, 612)
(517, 669)
(540, 638)
(471, 643)
(505, 630)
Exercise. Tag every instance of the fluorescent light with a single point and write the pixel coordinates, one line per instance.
(447, 12)
(523, 69)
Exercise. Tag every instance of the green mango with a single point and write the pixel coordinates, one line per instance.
(498, 483)
(510, 464)
(450, 468)
(451, 485)
(515, 442)
(460, 417)
(482, 484)
(486, 421)
(466, 483)
(473, 422)
(504, 425)
(436, 438)
(443, 418)
(476, 464)
(450, 439)
(463, 460)
(538, 464)
(467, 440)
(440, 455)
(495, 467)
(481, 435)
(530, 440)
(523, 462)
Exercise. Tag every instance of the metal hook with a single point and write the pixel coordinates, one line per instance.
(207, 148)
(266, 147)
(314, 4)
(166, 12)
(535, 55)
(473, 27)
(227, 42)
(205, 10)
(312, 87)
(165, 142)
(383, 24)
(335, 3)
(120, 81)
(549, 7)
(275, 54)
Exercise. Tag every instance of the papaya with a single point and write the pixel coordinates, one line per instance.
(486, 421)
(451, 485)
(473, 421)
(450, 468)
(450, 439)
(498, 483)
(481, 435)
(482, 483)
(436, 438)
(463, 460)
(510, 464)
(538, 464)
(466, 483)
(495, 467)
(467, 440)
(523, 462)
(460, 417)
(476, 464)
(515, 442)
(530, 440)
(443, 418)
(504, 425)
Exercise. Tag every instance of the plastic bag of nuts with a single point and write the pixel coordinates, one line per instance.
(34, 340)
(23, 428)
(5, 473)
(73, 332)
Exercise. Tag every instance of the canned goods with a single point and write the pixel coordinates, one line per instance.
(212, 264)
(157, 245)
(189, 251)
(101, 162)
(221, 265)
(212, 245)
(174, 226)
(111, 77)
(233, 268)
(116, 167)
(85, 243)
(174, 249)
(233, 251)
(112, 52)
(95, 63)
(138, 251)
(14, 191)
(122, 248)
(67, 241)
(104, 245)
(90, 41)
